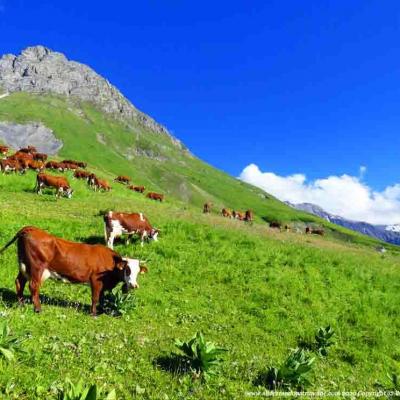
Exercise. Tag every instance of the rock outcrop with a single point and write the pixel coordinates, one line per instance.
(21, 135)
(41, 70)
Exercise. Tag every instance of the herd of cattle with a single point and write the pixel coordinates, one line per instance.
(28, 158)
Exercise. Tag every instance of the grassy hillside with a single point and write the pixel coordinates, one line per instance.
(152, 160)
(252, 290)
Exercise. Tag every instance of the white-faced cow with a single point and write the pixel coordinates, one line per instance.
(117, 224)
(42, 256)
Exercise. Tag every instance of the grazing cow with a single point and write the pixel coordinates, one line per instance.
(55, 165)
(80, 174)
(139, 189)
(77, 163)
(4, 150)
(238, 215)
(11, 166)
(40, 156)
(118, 224)
(59, 183)
(32, 164)
(29, 150)
(226, 213)
(123, 179)
(42, 256)
(98, 184)
(315, 231)
(155, 196)
(248, 216)
(275, 224)
(207, 208)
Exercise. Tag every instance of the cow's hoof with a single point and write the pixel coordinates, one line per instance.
(37, 310)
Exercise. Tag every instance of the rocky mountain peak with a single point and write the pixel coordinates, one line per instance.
(40, 70)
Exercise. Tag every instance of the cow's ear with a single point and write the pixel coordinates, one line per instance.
(120, 263)
(143, 269)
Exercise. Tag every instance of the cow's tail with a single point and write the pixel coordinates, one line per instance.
(11, 242)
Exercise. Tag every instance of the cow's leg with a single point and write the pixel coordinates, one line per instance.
(97, 288)
(110, 242)
(20, 283)
(34, 286)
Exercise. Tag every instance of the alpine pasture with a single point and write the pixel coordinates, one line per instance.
(251, 290)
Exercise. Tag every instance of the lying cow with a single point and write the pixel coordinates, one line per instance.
(123, 179)
(155, 196)
(139, 189)
(117, 224)
(42, 256)
(59, 183)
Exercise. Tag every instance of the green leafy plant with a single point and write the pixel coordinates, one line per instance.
(9, 344)
(203, 358)
(80, 391)
(118, 303)
(323, 340)
(291, 375)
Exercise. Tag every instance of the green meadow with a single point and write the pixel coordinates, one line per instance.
(252, 290)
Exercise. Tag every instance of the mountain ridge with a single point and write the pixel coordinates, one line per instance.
(38, 69)
(387, 233)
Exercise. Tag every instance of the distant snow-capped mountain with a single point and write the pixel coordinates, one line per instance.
(387, 233)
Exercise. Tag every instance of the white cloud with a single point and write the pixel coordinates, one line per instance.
(345, 195)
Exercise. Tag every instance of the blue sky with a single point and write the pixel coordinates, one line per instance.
(294, 87)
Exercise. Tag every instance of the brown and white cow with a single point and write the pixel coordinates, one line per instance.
(315, 231)
(59, 183)
(4, 150)
(238, 215)
(81, 174)
(11, 166)
(155, 196)
(226, 213)
(98, 184)
(123, 179)
(117, 224)
(139, 189)
(42, 256)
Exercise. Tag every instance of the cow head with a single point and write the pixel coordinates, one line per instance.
(68, 192)
(153, 234)
(130, 268)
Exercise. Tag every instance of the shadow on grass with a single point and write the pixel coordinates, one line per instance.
(10, 299)
(173, 363)
(94, 239)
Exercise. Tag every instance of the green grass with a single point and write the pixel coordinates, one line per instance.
(249, 289)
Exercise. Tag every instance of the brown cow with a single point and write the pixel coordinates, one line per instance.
(55, 165)
(139, 189)
(238, 215)
(248, 216)
(42, 256)
(118, 224)
(155, 196)
(29, 150)
(20, 156)
(207, 208)
(12, 165)
(315, 231)
(40, 156)
(59, 183)
(275, 224)
(98, 184)
(32, 164)
(77, 163)
(81, 174)
(4, 150)
(226, 213)
(123, 179)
